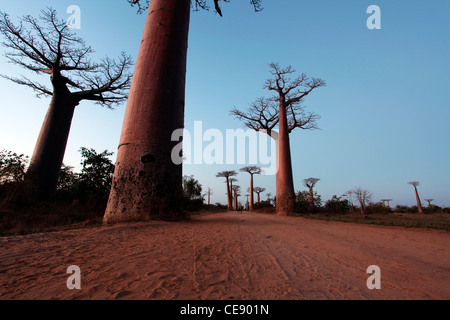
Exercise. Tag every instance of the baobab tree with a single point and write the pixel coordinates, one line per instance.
(429, 202)
(209, 193)
(258, 191)
(252, 170)
(147, 182)
(227, 175)
(236, 194)
(386, 201)
(363, 196)
(415, 184)
(232, 180)
(284, 110)
(46, 46)
(310, 183)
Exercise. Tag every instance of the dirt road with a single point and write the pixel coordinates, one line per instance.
(228, 256)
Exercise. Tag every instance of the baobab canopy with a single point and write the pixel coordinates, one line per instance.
(197, 4)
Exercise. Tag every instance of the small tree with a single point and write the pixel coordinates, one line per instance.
(12, 167)
(303, 201)
(364, 197)
(337, 204)
(258, 191)
(419, 205)
(192, 189)
(96, 173)
(429, 202)
(310, 183)
(47, 46)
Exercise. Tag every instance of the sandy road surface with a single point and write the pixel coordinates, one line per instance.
(228, 256)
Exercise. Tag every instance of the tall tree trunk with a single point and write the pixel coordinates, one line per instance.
(147, 184)
(284, 182)
(311, 198)
(251, 193)
(419, 205)
(48, 155)
(229, 195)
(258, 198)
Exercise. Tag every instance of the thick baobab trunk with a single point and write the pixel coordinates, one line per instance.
(285, 186)
(258, 199)
(48, 155)
(251, 193)
(229, 195)
(311, 198)
(147, 184)
(419, 205)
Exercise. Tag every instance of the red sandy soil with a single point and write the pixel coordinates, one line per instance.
(235, 256)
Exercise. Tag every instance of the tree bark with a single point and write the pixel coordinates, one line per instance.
(251, 193)
(229, 195)
(311, 198)
(48, 155)
(147, 184)
(419, 205)
(285, 197)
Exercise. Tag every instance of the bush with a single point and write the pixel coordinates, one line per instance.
(337, 205)
(377, 208)
(302, 202)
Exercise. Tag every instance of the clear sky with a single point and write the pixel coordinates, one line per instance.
(384, 112)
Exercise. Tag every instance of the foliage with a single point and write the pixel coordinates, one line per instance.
(93, 183)
(377, 208)
(302, 202)
(12, 167)
(337, 205)
(192, 192)
(48, 46)
(192, 189)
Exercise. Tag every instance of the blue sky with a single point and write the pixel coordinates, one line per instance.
(384, 111)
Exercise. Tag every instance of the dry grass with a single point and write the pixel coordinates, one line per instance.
(439, 221)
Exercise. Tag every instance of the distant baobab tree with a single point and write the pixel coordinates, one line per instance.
(155, 110)
(364, 197)
(258, 191)
(386, 201)
(236, 194)
(310, 183)
(284, 110)
(47, 46)
(209, 193)
(227, 175)
(232, 180)
(252, 170)
(419, 205)
(429, 202)
(269, 195)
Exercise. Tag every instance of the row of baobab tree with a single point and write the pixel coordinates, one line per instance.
(146, 183)
(362, 196)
